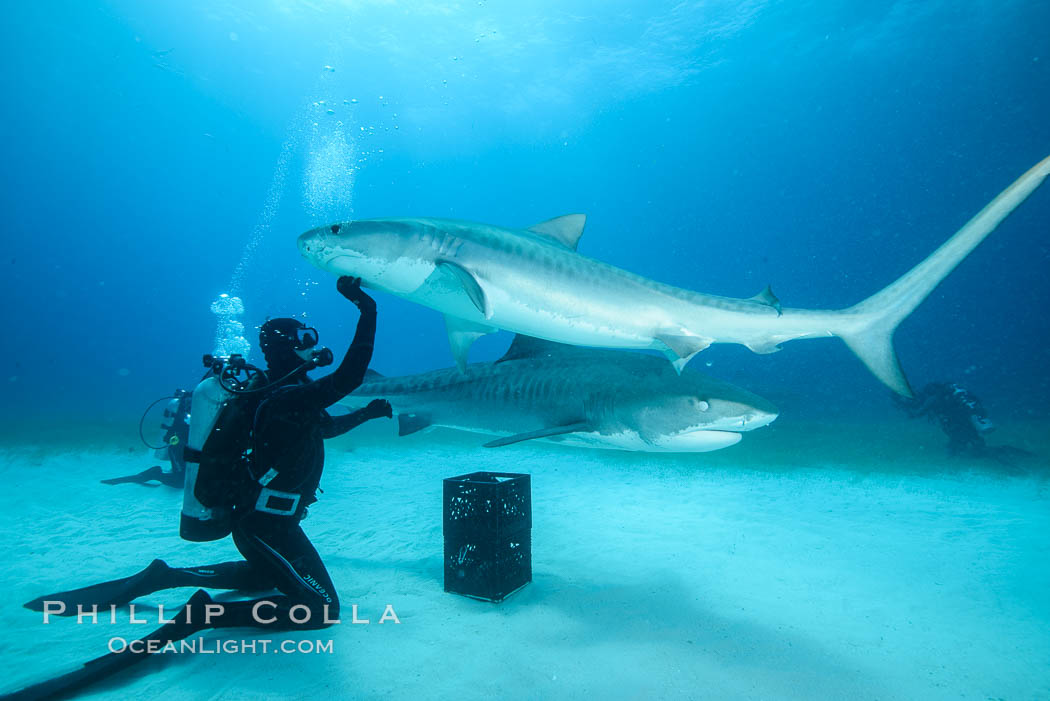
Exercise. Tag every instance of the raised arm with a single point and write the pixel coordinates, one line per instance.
(351, 372)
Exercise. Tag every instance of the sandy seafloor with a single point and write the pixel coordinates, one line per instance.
(808, 562)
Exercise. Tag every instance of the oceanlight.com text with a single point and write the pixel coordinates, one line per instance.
(248, 646)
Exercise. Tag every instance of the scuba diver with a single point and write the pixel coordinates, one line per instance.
(176, 427)
(961, 416)
(254, 475)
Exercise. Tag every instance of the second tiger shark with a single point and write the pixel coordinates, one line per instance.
(533, 282)
(576, 396)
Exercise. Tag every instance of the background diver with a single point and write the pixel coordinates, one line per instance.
(260, 494)
(961, 416)
(176, 431)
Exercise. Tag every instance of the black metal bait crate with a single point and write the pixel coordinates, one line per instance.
(488, 534)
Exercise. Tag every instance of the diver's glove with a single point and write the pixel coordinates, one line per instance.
(379, 407)
(350, 287)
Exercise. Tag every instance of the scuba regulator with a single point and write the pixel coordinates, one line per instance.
(236, 374)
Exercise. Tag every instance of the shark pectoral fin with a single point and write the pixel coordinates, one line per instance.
(769, 299)
(408, 424)
(470, 285)
(541, 433)
(461, 336)
(681, 348)
(565, 230)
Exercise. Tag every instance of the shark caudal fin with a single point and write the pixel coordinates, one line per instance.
(869, 326)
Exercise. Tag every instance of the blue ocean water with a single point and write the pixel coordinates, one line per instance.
(159, 155)
(154, 149)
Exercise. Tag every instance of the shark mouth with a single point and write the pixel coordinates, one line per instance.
(329, 258)
(699, 441)
(740, 423)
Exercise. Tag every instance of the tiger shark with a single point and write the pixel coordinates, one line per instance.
(576, 396)
(533, 282)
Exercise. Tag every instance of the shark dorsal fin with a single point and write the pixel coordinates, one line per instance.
(531, 347)
(565, 230)
(769, 299)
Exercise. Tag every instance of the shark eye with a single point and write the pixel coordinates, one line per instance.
(702, 405)
(335, 228)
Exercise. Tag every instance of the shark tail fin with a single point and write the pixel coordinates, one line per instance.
(873, 344)
(868, 327)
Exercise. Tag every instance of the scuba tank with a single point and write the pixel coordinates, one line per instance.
(218, 435)
(166, 426)
(175, 431)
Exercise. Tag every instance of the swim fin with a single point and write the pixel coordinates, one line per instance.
(189, 620)
(153, 474)
(117, 592)
(237, 574)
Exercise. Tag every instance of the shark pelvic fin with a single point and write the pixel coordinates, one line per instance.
(769, 299)
(408, 424)
(470, 285)
(763, 348)
(681, 348)
(461, 336)
(565, 230)
(541, 433)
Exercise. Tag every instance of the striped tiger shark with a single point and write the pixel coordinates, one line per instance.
(576, 396)
(533, 282)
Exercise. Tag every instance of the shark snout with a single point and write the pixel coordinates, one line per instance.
(321, 247)
(309, 244)
(757, 419)
(742, 419)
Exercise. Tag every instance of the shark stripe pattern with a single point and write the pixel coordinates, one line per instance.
(577, 396)
(533, 282)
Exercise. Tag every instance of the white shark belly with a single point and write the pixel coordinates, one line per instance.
(558, 310)
(695, 442)
(492, 422)
(568, 323)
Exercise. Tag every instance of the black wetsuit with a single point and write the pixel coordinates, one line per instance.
(289, 431)
(290, 426)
